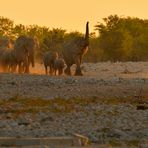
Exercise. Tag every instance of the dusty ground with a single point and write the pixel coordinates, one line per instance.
(101, 80)
(101, 105)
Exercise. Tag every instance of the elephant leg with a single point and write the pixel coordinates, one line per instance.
(9, 67)
(81, 59)
(13, 68)
(25, 66)
(20, 67)
(68, 70)
(78, 68)
(78, 71)
(51, 70)
(27, 69)
(46, 70)
(55, 72)
(60, 71)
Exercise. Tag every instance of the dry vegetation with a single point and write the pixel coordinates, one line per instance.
(18, 105)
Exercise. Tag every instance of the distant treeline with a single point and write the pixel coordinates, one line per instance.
(119, 39)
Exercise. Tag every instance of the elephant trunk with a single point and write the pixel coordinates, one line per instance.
(87, 34)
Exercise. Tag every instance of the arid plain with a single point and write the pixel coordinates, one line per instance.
(102, 103)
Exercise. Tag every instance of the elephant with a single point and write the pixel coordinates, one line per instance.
(8, 63)
(4, 44)
(48, 60)
(2, 50)
(24, 52)
(3, 59)
(59, 65)
(5, 47)
(74, 50)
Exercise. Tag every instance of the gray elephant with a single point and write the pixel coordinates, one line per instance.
(5, 48)
(24, 52)
(4, 44)
(74, 50)
(2, 50)
(21, 56)
(8, 62)
(48, 60)
(3, 59)
(59, 65)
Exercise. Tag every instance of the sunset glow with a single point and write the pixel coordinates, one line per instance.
(68, 14)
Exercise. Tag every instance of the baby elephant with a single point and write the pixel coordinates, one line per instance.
(48, 61)
(59, 65)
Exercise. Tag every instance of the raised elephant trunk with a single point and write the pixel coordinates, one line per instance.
(87, 34)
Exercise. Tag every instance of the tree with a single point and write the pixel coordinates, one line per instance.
(54, 39)
(123, 38)
(19, 30)
(6, 27)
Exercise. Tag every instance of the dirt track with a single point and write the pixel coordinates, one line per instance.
(99, 80)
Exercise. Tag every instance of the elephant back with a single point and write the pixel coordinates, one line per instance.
(26, 43)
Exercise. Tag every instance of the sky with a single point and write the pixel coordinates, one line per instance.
(70, 14)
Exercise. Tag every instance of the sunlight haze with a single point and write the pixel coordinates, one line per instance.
(70, 14)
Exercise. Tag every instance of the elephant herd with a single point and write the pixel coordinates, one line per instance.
(18, 56)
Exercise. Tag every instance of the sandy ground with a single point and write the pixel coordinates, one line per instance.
(102, 80)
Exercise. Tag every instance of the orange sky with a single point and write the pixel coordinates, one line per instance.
(70, 14)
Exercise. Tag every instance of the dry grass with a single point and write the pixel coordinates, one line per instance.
(31, 105)
(20, 105)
